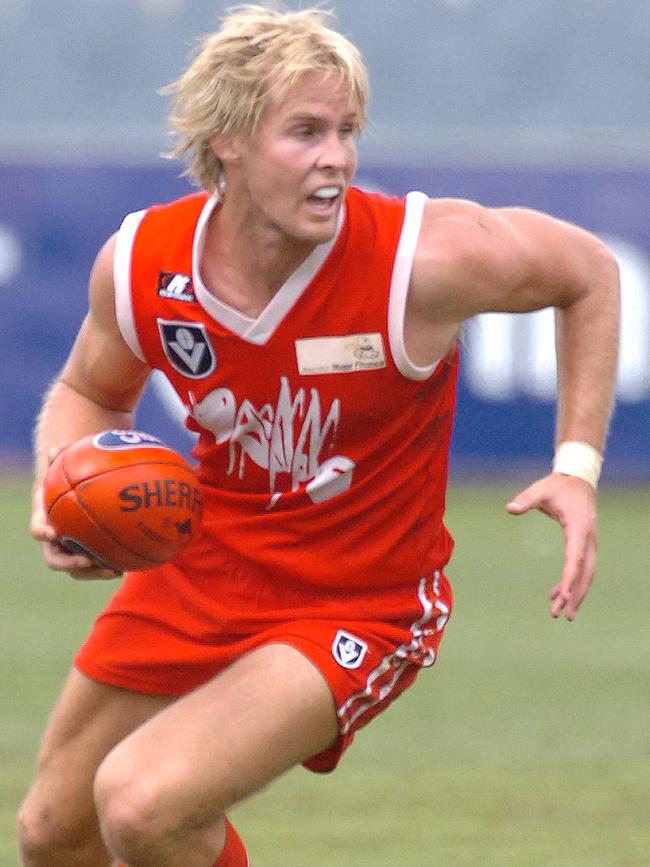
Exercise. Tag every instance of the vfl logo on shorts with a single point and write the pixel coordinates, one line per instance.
(348, 650)
(187, 347)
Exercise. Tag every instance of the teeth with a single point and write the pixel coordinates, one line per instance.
(326, 192)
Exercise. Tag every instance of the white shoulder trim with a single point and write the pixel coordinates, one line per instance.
(122, 281)
(399, 286)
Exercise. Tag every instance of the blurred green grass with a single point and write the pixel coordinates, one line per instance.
(526, 744)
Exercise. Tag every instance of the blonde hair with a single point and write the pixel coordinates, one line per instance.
(257, 54)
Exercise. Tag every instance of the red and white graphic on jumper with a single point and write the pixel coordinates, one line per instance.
(288, 439)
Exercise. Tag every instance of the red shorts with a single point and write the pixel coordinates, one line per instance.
(166, 633)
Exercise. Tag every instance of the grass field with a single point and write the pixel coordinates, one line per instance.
(525, 746)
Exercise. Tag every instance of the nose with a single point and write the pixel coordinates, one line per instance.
(335, 152)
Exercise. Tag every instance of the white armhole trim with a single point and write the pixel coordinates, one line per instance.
(399, 286)
(122, 281)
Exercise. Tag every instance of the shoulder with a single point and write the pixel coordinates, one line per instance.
(188, 205)
(160, 228)
(464, 238)
(455, 254)
(157, 217)
(471, 258)
(101, 286)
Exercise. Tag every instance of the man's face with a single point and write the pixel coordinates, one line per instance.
(294, 170)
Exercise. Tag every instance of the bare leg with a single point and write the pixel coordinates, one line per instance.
(57, 824)
(163, 791)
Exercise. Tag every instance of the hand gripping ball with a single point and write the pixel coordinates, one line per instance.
(123, 498)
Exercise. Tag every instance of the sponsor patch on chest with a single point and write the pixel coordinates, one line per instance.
(346, 354)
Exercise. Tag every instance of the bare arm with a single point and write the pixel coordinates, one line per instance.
(472, 260)
(97, 389)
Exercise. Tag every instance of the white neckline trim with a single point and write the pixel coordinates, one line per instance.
(122, 281)
(257, 330)
(399, 286)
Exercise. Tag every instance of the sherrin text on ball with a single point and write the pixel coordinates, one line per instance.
(124, 498)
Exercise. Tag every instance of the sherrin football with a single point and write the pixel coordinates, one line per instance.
(124, 498)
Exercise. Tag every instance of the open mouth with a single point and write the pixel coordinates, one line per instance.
(325, 198)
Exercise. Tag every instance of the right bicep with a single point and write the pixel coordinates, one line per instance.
(101, 366)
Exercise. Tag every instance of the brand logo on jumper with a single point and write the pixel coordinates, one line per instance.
(187, 347)
(348, 650)
(295, 438)
(178, 287)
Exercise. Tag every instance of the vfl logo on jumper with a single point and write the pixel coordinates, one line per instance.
(188, 348)
(291, 439)
(340, 354)
(125, 439)
(348, 650)
(178, 287)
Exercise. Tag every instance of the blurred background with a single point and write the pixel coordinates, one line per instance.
(538, 102)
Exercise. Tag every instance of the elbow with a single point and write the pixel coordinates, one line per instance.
(601, 277)
(609, 280)
(608, 267)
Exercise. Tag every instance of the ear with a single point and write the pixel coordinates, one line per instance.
(226, 148)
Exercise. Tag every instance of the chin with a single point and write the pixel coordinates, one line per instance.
(319, 233)
(323, 236)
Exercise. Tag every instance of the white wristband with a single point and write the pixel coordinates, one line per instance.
(578, 459)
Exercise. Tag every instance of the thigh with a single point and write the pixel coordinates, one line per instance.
(270, 710)
(86, 723)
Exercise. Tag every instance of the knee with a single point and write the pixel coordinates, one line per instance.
(144, 816)
(45, 831)
(34, 830)
(139, 817)
(127, 812)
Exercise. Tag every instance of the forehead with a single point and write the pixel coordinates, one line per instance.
(314, 93)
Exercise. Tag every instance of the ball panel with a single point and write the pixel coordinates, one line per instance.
(84, 536)
(152, 509)
(86, 459)
(123, 497)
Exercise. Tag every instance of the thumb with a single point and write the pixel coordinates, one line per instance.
(520, 504)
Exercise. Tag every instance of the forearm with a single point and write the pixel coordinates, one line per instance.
(66, 416)
(587, 352)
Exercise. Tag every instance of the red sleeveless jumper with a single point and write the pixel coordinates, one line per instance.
(322, 450)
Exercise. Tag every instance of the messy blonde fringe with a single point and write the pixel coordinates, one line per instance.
(255, 56)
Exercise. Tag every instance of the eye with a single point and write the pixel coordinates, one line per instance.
(347, 130)
(304, 132)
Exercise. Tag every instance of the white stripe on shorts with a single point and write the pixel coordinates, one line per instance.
(382, 680)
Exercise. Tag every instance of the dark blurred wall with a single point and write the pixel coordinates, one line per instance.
(54, 219)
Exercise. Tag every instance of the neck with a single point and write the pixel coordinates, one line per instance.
(245, 262)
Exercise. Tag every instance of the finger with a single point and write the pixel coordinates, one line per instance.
(61, 560)
(54, 451)
(39, 527)
(522, 503)
(575, 547)
(582, 585)
(41, 532)
(80, 567)
(516, 507)
(97, 573)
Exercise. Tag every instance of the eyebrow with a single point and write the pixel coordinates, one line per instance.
(310, 117)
